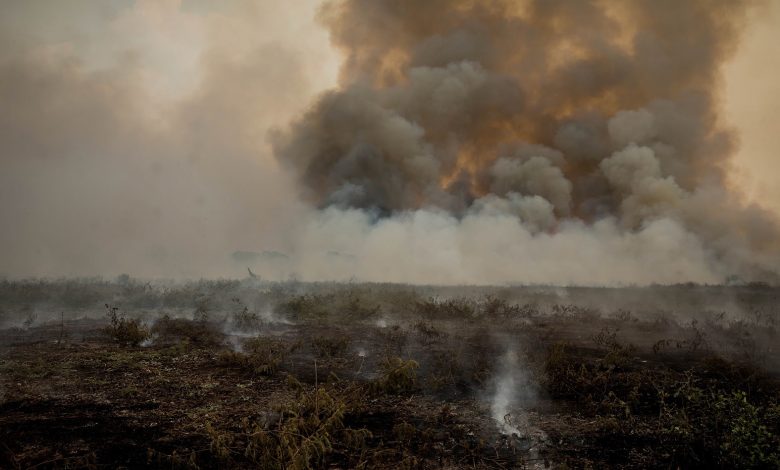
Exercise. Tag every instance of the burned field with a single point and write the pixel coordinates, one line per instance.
(230, 374)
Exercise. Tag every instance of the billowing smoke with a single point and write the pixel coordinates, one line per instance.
(466, 141)
(535, 141)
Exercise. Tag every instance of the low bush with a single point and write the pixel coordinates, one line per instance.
(437, 309)
(428, 333)
(394, 338)
(126, 331)
(246, 321)
(261, 356)
(397, 376)
(196, 333)
(304, 307)
(331, 346)
(713, 416)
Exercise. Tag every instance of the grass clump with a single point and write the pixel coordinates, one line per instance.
(305, 307)
(197, 333)
(260, 356)
(397, 376)
(355, 307)
(428, 333)
(306, 433)
(331, 346)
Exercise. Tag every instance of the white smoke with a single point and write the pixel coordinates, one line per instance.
(513, 393)
(488, 246)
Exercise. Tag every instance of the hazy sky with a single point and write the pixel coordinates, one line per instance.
(133, 133)
(752, 104)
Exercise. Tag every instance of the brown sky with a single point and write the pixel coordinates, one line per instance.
(753, 105)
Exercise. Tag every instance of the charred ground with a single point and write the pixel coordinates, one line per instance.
(214, 374)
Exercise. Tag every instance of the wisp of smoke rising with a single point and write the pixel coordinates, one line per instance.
(512, 392)
(535, 141)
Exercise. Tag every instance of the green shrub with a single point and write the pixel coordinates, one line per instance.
(746, 441)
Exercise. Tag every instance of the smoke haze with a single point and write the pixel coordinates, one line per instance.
(463, 142)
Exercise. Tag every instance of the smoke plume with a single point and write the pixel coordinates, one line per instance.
(535, 141)
(464, 141)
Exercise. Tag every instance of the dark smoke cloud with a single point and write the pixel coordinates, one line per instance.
(591, 125)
